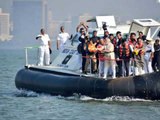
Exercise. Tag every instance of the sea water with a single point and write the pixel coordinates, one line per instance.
(27, 105)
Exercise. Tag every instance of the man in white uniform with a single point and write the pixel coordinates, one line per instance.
(44, 48)
(62, 38)
(148, 55)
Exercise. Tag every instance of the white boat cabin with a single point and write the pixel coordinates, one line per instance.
(149, 27)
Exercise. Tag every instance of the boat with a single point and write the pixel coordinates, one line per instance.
(64, 78)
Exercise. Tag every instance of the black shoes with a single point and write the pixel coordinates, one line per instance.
(84, 72)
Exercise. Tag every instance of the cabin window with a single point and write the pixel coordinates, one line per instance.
(145, 21)
(65, 51)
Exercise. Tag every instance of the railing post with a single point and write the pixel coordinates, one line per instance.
(26, 57)
(90, 65)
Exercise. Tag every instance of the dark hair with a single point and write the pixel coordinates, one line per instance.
(94, 31)
(144, 37)
(81, 29)
(157, 40)
(133, 34)
(140, 32)
(86, 38)
(42, 29)
(105, 37)
(111, 34)
(123, 40)
(118, 32)
(139, 38)
(62, 27)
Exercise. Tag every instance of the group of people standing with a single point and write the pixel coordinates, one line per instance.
(110, 54)
(118, 56)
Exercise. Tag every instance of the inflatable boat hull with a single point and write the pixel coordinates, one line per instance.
(56, 83)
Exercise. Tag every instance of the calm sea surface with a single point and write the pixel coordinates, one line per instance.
(24, 105)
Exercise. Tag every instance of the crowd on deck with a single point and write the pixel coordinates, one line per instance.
(110, 54)
(118, 56)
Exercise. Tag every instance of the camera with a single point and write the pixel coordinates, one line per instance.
(104, 26)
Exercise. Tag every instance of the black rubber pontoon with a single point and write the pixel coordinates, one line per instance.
(146, 86)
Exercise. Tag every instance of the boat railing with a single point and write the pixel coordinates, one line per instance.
(26, 53)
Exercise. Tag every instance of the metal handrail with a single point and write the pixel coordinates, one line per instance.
(26, 53)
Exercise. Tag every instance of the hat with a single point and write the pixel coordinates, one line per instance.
(149, 39)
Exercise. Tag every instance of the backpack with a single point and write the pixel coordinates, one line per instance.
(79, 48)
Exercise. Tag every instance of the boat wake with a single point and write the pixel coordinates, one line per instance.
(114, 99)
(25, 93)
(108, 99)
(77, 97)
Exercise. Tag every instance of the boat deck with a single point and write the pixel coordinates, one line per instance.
(61, 70)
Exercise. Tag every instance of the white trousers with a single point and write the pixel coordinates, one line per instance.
(109, 64)
(101, 68)
(43, 55)
(147, 66)
(80, 60)
(139, 71)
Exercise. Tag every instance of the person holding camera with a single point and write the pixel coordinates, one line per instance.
(81, 47)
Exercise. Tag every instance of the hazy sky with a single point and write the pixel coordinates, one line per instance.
(124, 9)
(121, 9)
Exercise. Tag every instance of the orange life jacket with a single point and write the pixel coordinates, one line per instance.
(132, 43)
(126, 48)
(92, 48)
(139, 47)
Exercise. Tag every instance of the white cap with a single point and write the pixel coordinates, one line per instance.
(149, 39)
